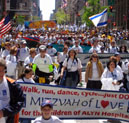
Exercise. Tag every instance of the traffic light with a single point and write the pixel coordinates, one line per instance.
(110, 8)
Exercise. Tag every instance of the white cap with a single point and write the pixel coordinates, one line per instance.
(42, 47)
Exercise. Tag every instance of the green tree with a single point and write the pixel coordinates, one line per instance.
(61, 16)
(20, 19)
(93, 7)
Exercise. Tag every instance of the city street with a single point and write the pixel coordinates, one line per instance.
(64, 59)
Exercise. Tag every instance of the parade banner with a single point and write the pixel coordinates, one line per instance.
(104, 58)
(70, 103)
(59, 48)
(40, 24)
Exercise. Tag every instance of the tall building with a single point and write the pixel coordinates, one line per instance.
(2, 8)
(103, 2)
(73, 8)
(27, 8)
(36, 13)
(121, 10)
(57, 4)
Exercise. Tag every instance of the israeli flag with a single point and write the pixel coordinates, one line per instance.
(99, 20)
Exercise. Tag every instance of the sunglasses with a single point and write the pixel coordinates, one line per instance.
(95, 56)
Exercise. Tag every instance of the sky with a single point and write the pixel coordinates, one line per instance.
(47, 7)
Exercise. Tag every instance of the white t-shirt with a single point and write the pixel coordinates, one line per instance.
(95, 74)
(97, 49)
(51, 51)
(28, 60)
(113, 49)
(5, 53)
(43, 63)
(62, 56)
(26, 80)
(4, 96)
(72, 65)
(107, 78)
(11, 65)
(53, 119)
(79, 49)
(24, 52)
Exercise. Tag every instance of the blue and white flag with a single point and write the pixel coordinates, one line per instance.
(100, 19)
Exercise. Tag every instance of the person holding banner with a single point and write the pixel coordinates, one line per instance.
(30, 58)
(112, 77)
(46, 111)
(26, 76)
(94, 70)
(71, 71)
(11, 97)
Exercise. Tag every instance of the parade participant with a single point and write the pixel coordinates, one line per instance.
(60, 58)
(94, 70)
(95, 48)
(46, 111)
(60, 41)
(123, 49)
(30, 58)
(24, 51)
(126, 75)
(73, 67)
(7, 50)
(11, 63)
(44, 65)
(102, 50)
(52, 38)
(26, 76)
(111, 78)
(51, 51)
(11, 97)
(77, 47)
(118, 58)
(113, 48)
(67, 43)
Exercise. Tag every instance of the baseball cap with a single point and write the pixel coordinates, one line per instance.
(23, 42)
(42, 47)
(46, 103)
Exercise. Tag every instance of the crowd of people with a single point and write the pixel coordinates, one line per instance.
(37, 64)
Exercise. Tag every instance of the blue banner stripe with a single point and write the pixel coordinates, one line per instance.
(96, 16)
(101, 24)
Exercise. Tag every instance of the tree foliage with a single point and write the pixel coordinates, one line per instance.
(61, 16)
(93, 7)
(20, 19)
